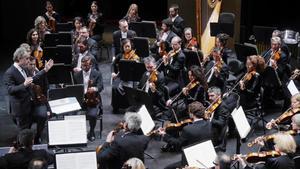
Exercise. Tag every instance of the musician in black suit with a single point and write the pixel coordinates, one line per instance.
(153, 83)
(18, 82)
(123, 33)
(172, 65)
(283, 144)
(296, 127)
(178, 21)
(199, 130)
(82, 44)
(163, 39)
(219, 118)
(91, 43)
(93, 85)
(19, 158)
(119, 147)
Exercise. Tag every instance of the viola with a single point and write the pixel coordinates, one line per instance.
(92, 98)
(38, 54)
(271, 137)
(255, 157)
(212, 107)
(288, 114)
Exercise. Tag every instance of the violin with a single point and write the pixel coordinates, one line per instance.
(295, 74)
(171, 54)
(212, 107)
(255, 157)
(188, 87)
(92, 24)
(192, 43)
(38, 54)
(153, 76)
(131, 56)
(288, 114)
(172, 126)
(40, 98)
(276, 55)
(248, 76)
(162, 49)
(92, 98)
(271, 137)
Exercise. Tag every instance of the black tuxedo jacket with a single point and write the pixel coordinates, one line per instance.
(178, 26)
(124, 147)
(20, 97)
(172, 70)
(21, 159)
(95, 76)
(117, 36)
(94, 61)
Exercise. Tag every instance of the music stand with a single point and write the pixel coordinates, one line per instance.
(131, 70)
(137, 97)
(64, 38)
(50, 40)
(263, 33)
(242, 51)
(76, 160)
(64, 27)
(217, 28)
(192, 58)
(60, 74)
(144, 28)
(68, 91)
(141, 45)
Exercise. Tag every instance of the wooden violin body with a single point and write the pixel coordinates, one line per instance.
(212, 107)
(92, 98)
(255, 157)
(40, 98)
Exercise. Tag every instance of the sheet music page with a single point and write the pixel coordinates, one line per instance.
(82, 160)
(75, 117)
(64, 105)
(241, 122)
(201, 155)
(147, 122)
(65, 132)
(292, 88)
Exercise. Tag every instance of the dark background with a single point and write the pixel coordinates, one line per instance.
(20, 15)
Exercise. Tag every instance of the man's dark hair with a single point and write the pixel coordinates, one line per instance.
(168, 22)
(197, 109)
(26, 137)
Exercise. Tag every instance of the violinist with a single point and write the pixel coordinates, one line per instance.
(189, 42)
(285, 145)
(152, 82)
(294, 109)
(221, 42)
(163, 39)
(132, 14)
(119, 147)
(51, 16)
(84, 77)
(199, 130)
(35, 47)
(216, 70)
(276, 75)
(91, 43)
(41, 25)
(95, 22)
(250, 84)
(172, 64)
(118, 94)
(41, 106)
(296, 127)
(77, 23)
(219, 118)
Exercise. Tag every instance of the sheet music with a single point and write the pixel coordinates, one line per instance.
(147, 122)
(201, 155)
(64, 105)
(241, 122)
(292, 88)
(82, 160)
(64, 132)
(75, 117)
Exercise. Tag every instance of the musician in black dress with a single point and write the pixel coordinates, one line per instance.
(95, 22)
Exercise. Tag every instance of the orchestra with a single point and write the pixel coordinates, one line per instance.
(194, 102)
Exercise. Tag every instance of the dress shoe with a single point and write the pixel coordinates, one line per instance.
(91, 136)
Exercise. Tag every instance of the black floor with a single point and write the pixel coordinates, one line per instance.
(8, 130)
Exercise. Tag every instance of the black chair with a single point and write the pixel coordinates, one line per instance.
(226, 17)
(297, 161)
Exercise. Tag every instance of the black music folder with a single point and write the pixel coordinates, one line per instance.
(217, 28)
(60, 74)
(68, 91)
(141, 45)
(131, 70)
(144, 28)
(242, 51)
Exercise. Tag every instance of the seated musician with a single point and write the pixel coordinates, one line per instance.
(35, 47)
(51, 16)
(20, 156)
(91, 43)
(189, 42)
(285, 145)
(153, 83)
(128, 143)
(194, 91)
(199, 130)
(118, 94)
(219, 118)
(276, 75)
(93, 85)
(216, 70)
(41, 106)
(250, 85)
(132, 14)
(294, 109)
(163, 39)
(296, 127)
(95, 22)
(221, 42)
(173, 64)
(82, 44)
